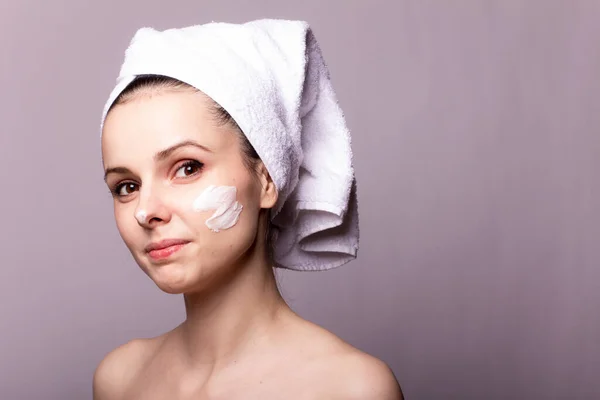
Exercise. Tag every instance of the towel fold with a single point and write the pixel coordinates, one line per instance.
(271, 77)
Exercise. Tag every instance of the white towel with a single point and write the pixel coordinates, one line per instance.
(271, 77)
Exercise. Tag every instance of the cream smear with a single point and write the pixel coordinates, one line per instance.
(141, 216)
(222, 199)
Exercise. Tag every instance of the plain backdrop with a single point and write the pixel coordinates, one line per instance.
(476, 137)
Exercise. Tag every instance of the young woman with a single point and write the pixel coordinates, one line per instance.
(172, 156)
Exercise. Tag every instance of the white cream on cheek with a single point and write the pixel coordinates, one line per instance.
(222, 199)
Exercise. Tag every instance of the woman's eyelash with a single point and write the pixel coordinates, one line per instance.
(117, 189)
(189, 163)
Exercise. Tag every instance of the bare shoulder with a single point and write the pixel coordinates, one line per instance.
(344, 372)
(119, 367)
(365, 377)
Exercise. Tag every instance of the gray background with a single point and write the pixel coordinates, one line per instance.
(475, 128)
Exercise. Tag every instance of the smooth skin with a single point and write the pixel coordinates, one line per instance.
(240, 340)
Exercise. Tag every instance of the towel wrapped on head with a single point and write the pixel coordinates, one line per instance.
(270, 76)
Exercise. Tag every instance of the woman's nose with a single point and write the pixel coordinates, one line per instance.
(151, 210)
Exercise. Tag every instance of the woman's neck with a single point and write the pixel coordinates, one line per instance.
(235, 319)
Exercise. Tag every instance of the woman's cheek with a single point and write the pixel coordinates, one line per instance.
(125, 222)
(222, 205)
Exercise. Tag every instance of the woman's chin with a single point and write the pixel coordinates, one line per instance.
(169, 289)
(179, 280)
(170, 280)
(180, 277)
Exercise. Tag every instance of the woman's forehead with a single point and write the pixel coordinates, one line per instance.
(153, 123)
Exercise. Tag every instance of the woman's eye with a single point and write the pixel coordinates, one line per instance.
(126, 188)
(188, 169)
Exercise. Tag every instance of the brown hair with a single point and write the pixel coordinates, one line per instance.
(154, 84)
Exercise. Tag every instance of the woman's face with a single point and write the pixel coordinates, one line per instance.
(160, 154)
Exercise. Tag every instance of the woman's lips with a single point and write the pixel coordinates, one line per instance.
(165, 248)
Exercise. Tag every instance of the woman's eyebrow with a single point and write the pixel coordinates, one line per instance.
(160, 156)
(116, 170)
(163, 154)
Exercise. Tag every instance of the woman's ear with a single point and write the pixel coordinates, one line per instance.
(268, 191)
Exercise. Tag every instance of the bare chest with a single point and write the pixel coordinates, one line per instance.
(175, 384)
